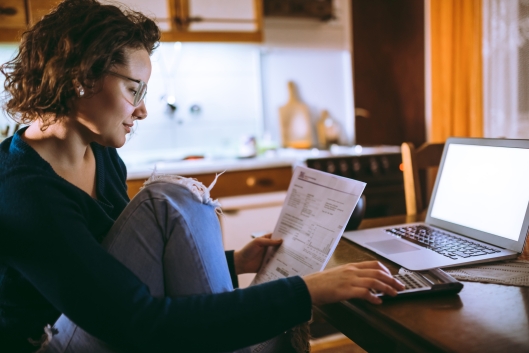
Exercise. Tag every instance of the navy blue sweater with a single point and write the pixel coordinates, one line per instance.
(51, 262)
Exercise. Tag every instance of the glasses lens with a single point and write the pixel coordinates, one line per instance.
(140, 94)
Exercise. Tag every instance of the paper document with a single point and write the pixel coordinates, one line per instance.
(316, 210)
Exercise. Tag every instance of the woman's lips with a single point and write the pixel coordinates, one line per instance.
(128, 127)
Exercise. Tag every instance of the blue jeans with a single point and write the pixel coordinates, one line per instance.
(173, 243)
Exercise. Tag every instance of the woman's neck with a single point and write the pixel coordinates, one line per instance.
(63, 146)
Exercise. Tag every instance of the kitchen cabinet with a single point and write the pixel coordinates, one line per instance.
(204, 20)
(38, 8)
(236, 183)
(179, 20)
(308, 33)
(213, 20)
(17, 15)
(245, 215)
(13, 19)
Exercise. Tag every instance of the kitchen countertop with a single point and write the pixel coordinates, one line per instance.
(140, 165)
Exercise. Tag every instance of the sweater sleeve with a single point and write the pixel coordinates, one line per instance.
(54, 250)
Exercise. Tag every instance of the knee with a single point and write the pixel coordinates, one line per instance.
(163, 190)
(179, 188)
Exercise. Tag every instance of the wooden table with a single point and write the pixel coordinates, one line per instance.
(481, 318)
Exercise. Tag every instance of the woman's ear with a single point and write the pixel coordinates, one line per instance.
(79, 89)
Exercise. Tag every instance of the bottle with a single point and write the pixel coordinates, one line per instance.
(328, 130)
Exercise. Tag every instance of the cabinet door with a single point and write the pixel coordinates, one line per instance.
(158, 10)
(221, 16)
(16, 15)
(12, 14)
(244, 215)
(12, 19)
(203, 20)
(179, 20)
(38, 8)
(216, 21)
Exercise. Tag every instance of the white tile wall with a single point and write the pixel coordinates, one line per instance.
(7, 52)
(323, 79)
(223, 79)
(238, 87)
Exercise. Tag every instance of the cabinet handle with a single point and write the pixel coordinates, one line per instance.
(182, 23)
(252, 181)
(362, 113)
(8, 11)
(194, 19)
(185, 21)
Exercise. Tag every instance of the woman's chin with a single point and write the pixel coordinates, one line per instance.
(115, 142)
(120, 144)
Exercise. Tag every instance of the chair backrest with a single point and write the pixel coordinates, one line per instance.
(427, 156)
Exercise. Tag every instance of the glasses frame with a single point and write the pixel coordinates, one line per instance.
(142, 86)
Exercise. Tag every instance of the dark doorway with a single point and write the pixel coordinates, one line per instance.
(388, 71)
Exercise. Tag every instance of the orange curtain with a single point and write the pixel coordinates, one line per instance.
(457, 94)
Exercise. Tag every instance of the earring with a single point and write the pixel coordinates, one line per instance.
(81, 91)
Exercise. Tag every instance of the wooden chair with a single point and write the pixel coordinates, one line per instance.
(413, 160)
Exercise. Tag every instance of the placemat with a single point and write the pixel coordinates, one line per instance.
(510, 272)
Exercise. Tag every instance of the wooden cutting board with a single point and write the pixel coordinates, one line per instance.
(295, 122)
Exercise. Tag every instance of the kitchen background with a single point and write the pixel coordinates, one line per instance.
(207, 98)
(210, 98)
(222, 94)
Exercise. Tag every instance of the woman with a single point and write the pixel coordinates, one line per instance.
(147, 275)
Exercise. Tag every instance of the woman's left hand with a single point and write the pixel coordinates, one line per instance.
(250, 258)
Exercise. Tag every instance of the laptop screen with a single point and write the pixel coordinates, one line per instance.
(484, 188)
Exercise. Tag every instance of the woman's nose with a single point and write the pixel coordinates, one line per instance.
(141, 111)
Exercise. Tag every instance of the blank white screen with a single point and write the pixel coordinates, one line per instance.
(484, 188)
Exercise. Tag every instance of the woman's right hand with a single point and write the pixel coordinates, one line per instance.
(354, 280)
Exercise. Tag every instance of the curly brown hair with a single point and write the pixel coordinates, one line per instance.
(78, 41)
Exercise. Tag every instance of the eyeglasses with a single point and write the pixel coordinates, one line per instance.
(141, 91)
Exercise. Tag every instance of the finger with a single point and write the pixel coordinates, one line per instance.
(374, 284)
(366, 294)
(268, 242)
(372, 265)
(378, 274)
(381, 276)
(386, 289)
(373, 299)
(267, 236)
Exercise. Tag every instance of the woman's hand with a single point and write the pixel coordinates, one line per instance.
(352, 281)
(250, 258)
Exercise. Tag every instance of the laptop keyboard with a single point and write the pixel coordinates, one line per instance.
(441, 242)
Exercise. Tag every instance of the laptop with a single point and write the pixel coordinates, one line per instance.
(478, 211)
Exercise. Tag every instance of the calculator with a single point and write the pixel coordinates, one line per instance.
(434, 281)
